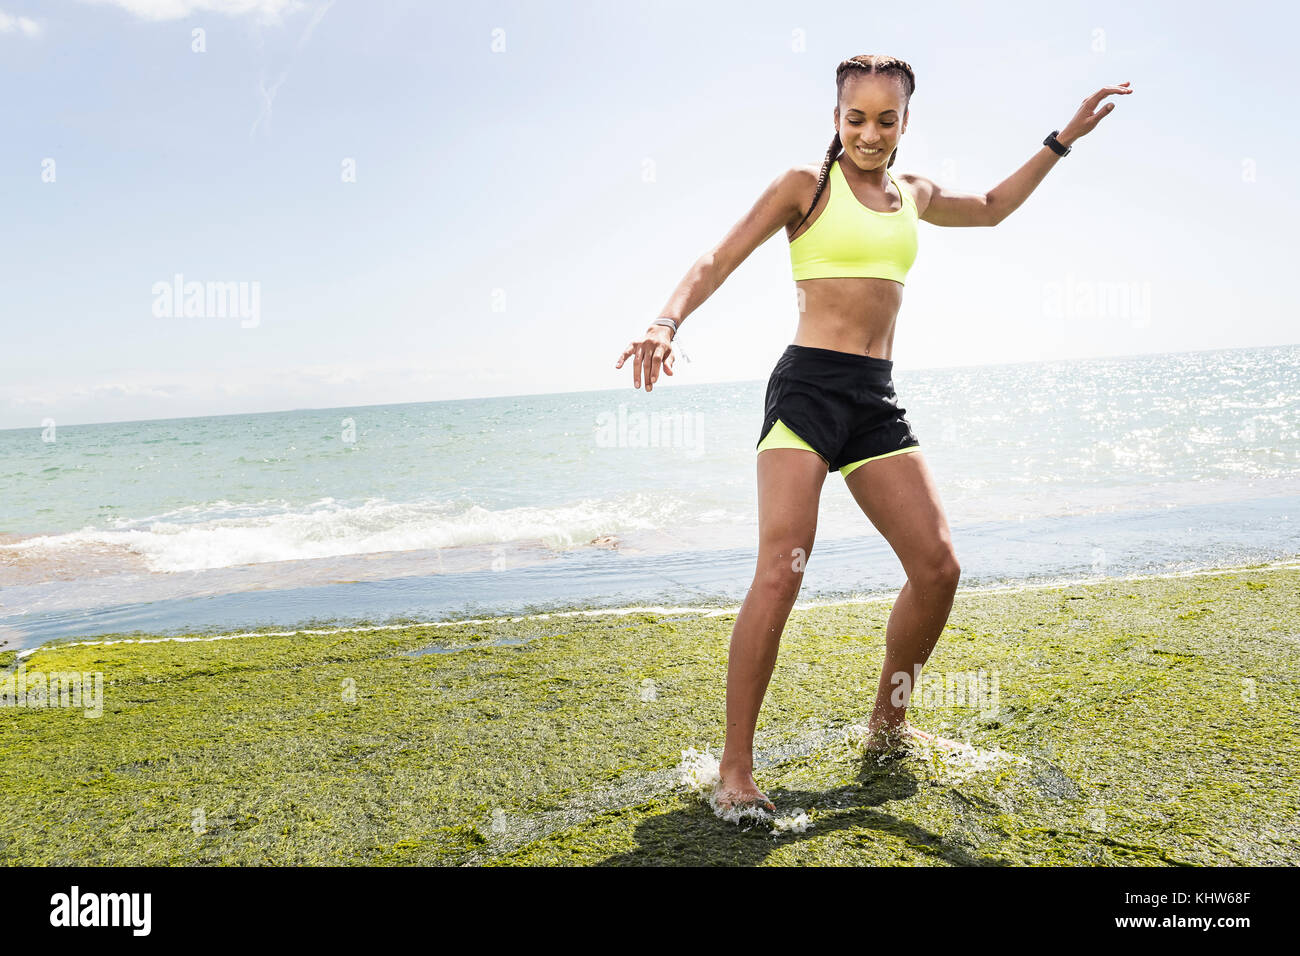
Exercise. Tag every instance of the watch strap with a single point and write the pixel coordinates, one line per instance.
(1056, 145)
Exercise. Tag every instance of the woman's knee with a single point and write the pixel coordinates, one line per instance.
(939, 570)
(780, 575)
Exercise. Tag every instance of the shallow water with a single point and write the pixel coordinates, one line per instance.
(1097, 467)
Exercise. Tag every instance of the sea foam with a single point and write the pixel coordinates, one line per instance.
(222, 534)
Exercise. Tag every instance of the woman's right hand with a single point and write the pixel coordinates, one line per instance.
(654, 349)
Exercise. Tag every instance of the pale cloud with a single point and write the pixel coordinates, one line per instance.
(125, 397)
(34, 399)
(111, 390)
(267, 11)
(18, 396)
(331, 374)
(268, 95)
(23, 25)
(270, 13)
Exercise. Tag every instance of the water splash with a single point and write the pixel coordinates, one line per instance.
(796, 822)
(955, 760)
(698, 771)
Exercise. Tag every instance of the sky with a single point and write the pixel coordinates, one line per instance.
(410, 201)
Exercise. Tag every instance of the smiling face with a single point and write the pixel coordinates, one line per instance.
(871, 115)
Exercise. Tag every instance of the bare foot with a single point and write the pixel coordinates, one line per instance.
(885, 739)
(736, 788)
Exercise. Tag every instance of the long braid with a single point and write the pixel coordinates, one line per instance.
(831, 152)
(859, 65)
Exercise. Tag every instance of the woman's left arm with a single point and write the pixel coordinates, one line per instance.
(946, 208)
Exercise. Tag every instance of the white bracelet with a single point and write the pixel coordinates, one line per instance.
(664, 320)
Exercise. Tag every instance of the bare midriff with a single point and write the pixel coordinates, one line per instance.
(849, 315)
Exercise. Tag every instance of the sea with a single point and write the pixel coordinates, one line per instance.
(1054, 471)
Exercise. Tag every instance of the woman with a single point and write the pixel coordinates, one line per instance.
(830, 401)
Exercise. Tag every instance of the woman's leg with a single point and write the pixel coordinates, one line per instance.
(899, 496)
(789, 490)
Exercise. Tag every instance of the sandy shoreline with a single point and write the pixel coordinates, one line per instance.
(1155, 718)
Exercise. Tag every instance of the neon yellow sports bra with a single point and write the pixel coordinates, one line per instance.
(848, 239)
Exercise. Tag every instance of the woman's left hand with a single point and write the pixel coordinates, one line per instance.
(1085, 120)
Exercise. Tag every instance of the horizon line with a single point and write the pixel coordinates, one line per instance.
(586, 391)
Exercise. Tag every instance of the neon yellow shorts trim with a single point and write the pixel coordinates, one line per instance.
(780, 436)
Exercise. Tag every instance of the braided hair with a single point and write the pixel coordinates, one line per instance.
(859, 66)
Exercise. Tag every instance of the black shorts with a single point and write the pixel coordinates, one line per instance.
(840, 404)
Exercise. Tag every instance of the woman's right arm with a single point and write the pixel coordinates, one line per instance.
(776, 207)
